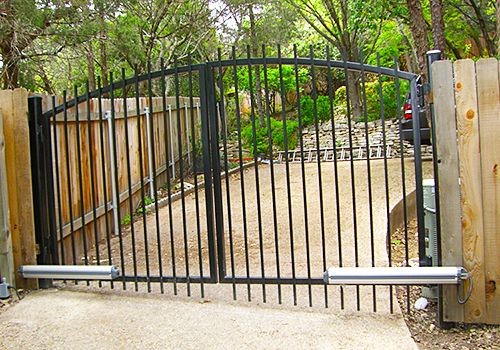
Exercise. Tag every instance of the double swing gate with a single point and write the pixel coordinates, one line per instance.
(183, 178)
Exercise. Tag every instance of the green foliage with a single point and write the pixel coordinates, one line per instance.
(273, 78)
(373, 105)
(147, 201)
(127, 219)
(307, 109)
(277, 135)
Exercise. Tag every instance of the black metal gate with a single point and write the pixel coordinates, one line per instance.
(256, 171)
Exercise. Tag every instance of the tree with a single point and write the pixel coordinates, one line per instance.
(418, 28)
(438, 25)
(258, 23)
(350, 26)
(22, 22)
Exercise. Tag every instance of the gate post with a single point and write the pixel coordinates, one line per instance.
(432, 56)
(43, 187)
(207, 168)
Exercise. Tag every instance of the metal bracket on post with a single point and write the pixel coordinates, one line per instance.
(114, 190)
(187, 133)
(150, 153)
(172, 152)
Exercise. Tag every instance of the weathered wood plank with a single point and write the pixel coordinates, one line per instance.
(489, 262)
(448, 173)
(470, 176)
(6, 256)
(14, 105)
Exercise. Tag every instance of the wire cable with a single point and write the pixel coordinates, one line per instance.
(469, 291)
(17, 292)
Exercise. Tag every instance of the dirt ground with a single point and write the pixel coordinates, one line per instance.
(170, 236)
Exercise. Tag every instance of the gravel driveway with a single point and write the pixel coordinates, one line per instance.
(367, 227)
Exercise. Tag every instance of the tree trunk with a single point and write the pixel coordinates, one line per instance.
(353, 81)
(91, 67)
(419, 34)
(255, 52)
(103, 59)
(438, 25)
(10, 71)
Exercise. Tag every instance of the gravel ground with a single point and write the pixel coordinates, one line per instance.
(422, 323)
(246, 233)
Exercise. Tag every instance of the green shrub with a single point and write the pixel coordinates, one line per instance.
(277, 135)
(373, 98)
(307, 109)
(389, 99)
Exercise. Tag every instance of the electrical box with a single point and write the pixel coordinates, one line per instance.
(430, 225)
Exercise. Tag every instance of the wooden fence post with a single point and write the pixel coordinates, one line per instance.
(448, 170)
(14, 107)
(6, 257)
(488, 94)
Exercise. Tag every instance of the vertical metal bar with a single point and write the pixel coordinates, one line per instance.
(271, 169)
(419, 191)
(129, 181)
(353, 185)
(303, 169)
(148, 116)
(403, 177)
(432, 56)
(181, 170)
(369, 177)
(92, 179)
(171, 138)
(49, 173)
(167, 163)
(256, 167)
(320, 173)
(58, 182)
(335, 169)
(386, 178)
(104, 172)
(114, 194)
(196, 194)
(226, 170)
(242, 176)
(141, 172)
(205, 132)
(68, 174)
(154, 184)
(80, 179)
(287, 170)
(115, 178)
(217, 181)
(41, 163)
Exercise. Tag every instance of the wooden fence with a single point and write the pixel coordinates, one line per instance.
(84, 162)
(467, 108)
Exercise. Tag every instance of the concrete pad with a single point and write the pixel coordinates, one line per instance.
(71, 319)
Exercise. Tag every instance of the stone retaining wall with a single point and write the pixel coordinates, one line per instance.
(375, 136)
